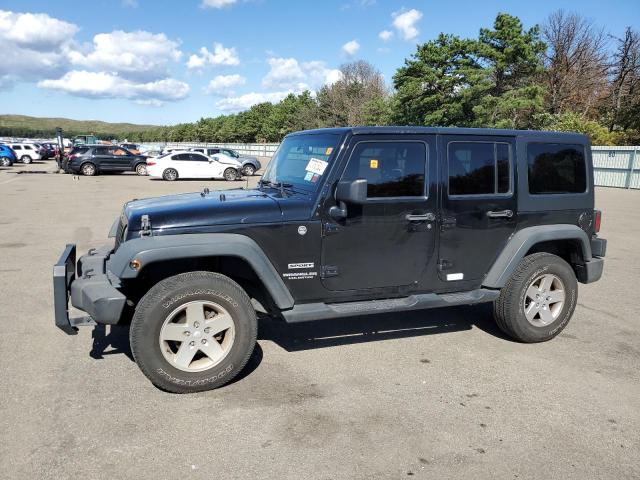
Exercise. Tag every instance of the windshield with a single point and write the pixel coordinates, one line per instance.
(301, 160)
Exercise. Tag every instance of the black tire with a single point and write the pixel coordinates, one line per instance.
(167, 296)
(509, 308)
(141, 169)
(26, 159)
(170, 174)
(89, 169)
(249, 170)
(5, 162)
(230, 174)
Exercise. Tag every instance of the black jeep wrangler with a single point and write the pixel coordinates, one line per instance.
(346, 222)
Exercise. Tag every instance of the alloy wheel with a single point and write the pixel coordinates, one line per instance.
(544, 300)
(197, 336)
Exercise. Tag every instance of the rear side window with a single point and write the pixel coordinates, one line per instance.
(479, 168)
(392, 169)
(556, 168)
(181, 156)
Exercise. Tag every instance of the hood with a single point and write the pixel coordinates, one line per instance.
(192, 210)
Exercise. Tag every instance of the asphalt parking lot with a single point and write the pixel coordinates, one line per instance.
(433, 394)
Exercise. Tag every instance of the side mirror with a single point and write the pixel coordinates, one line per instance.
(354, 192)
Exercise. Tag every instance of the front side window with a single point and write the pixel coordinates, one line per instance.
(17, 147)
(198, 158)
(391, 169)
(479, 168)
(556, 168)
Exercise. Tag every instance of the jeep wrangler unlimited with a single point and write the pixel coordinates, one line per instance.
(344, 222)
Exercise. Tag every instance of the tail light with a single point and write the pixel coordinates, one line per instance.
(597, 220)
(150, 162)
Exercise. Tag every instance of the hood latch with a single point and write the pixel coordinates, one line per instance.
(145, 226)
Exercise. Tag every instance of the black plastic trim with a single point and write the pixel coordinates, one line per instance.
(523, 240)
(148, 250)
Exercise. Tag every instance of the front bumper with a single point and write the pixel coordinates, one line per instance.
(92, 290)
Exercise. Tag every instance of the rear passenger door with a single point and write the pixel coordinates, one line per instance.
(478, 206)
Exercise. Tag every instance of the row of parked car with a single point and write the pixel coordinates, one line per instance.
(11, 153)
(169, 164)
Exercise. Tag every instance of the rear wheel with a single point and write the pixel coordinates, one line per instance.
(26, 159)
(170, 174)
(192, 332)
(141, 169)
(230, 174)
(538, 300)
(88, 169)
(5, 161)
(249, 170)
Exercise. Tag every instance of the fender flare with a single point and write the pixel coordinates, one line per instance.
(153, 249)
(520, 243)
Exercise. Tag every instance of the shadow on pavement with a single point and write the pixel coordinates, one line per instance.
(373, 328)
(114, 340)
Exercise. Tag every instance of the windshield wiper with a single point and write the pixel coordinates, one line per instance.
(279, 185)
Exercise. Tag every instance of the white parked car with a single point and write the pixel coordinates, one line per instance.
(223, 156)
(185, 164)
(25, 152)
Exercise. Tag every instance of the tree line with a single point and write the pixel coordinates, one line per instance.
(567, 74)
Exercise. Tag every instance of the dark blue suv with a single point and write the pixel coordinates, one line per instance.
(7, 156)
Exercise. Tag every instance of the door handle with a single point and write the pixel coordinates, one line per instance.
(427, 217)
(500, 214)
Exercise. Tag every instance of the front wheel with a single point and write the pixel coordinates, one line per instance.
(193, 332)
(230, 174)
(26, 159)
(141, 169)
(538, 300)
(249, 170)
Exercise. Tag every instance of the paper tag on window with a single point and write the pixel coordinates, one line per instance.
(373, 163)
(328, 151)
(316, 166)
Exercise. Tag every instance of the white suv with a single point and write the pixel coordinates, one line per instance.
(25, 152)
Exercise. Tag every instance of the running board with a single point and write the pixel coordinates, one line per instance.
(320, 311)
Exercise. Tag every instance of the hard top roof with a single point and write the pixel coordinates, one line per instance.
(395, 130)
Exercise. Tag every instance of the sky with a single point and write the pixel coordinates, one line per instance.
(163, 62)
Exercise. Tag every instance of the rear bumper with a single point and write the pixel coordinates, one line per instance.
(92, 290)
(591, 271)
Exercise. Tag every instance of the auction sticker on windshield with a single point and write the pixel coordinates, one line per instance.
(316, 166)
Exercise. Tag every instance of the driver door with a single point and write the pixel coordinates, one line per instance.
(389, 240)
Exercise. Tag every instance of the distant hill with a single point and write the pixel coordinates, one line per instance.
(25, 126)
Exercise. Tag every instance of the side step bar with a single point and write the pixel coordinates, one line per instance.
(322, 311)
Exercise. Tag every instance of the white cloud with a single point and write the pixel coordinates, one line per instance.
(220, 56)
(385, 35)
(109, 85)
(351, 48)
(223, 84)
(244, 102)
(141, 55)
(34, 46)
(405, 23)
(152, 102)
(217, 3)
(36, 31)
(289, 74)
